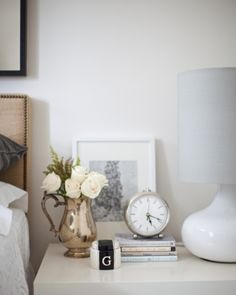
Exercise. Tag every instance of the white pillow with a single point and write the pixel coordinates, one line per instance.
(5, 220)
(10, 193)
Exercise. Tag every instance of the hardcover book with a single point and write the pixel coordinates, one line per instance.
(148, 249)
(148, 253)
(127, 240)
(148, 258)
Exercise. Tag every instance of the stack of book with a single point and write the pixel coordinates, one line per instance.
(146, 249)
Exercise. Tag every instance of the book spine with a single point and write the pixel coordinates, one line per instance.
(146, 249)
(146, 244)
(167, 253)
(148, 258)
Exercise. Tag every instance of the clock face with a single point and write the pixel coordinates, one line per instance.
(147, 214)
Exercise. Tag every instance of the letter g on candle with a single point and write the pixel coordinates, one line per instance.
(106, 260)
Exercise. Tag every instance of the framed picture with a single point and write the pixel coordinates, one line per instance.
(13, 29)
(128, 164)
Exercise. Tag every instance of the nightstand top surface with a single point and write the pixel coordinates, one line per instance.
(56, 268)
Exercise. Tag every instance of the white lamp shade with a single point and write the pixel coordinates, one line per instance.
(207, 125)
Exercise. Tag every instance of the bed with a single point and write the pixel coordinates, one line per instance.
(15, 268)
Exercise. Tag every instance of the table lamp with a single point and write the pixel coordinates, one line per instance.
(207, 154)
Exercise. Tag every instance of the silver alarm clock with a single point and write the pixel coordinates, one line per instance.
(147, 214)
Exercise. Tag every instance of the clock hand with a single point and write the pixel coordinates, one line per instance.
(149, 215)
(149, 219)
(148, 206)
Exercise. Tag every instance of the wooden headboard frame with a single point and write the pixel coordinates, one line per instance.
(15, 122)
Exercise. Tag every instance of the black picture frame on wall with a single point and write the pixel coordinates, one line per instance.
(21, 69)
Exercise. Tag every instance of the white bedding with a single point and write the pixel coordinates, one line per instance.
(14, 257)
(5, 220)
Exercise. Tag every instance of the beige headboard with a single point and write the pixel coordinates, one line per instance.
(15, 122)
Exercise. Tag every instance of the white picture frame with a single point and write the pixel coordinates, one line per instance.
(128, 163)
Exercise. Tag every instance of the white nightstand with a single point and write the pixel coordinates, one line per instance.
(189, 275)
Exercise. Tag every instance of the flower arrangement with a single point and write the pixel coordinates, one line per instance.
(70, 180)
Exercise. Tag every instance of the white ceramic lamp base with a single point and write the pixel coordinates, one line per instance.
(211, 232)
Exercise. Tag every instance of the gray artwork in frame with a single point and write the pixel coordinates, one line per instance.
(123, 183)
(129, 165)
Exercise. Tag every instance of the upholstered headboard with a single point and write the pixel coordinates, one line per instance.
(15, 122)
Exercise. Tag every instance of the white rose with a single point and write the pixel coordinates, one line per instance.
(93, 185)
(100, 177)
(72, 188)
(51, 183)
(79, 173)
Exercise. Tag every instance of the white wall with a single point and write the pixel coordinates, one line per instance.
(108, 68)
